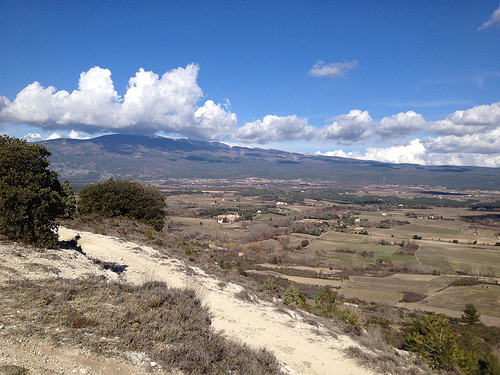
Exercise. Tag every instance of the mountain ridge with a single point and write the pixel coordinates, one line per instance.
(156, 158)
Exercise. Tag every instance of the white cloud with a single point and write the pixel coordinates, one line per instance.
(320, 69)
(494, 19)
(36, 137)
(484, 143)
(274, 128)
(401, 125)
(413, 153)
(351, 128)
(150, 104)
(471, 121)
(212, 120)
(170, 104)
(449, 150)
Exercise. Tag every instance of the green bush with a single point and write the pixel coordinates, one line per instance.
(113, 198)
(269, 285)
(31, 197)
(292, 296)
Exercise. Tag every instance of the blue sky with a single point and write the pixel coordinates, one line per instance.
(393, 81)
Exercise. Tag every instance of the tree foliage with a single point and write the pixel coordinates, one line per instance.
(325, 303)
(471, 316)
(30, 194)
(69, 200)
(443, 348)
(126, 198)
(433, 339)
(292, 296)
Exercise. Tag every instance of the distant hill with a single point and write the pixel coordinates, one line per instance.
(154, 158)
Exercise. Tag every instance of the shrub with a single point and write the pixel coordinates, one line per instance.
(347, 317)
(31, 197)
(291, 296)
(269, 285)
(325, 303)
(113, 198)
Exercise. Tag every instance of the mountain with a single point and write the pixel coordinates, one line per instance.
(154, 158)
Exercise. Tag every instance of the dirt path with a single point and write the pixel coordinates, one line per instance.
(303, 349)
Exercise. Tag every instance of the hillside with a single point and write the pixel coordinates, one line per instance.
(160, 159)
(302, 346)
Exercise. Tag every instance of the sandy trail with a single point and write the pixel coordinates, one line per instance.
(302, 348)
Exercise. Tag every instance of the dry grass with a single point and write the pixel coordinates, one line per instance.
(12, 370)
(169, 325)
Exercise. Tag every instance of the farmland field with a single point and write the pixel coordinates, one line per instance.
(334, 244)
(369, 295)
(485, 297)
(478, 258)
(430, 229)
(434, 257)
(423, 284)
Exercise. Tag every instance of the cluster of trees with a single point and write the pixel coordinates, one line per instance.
(127, 198)
(32, 198)
(444, 348)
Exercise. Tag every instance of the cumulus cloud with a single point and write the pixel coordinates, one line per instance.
(484, 143)
(494, 19)
(466, 137)
(427, 152)
(320, 69)
(413, 153)
(172, 104)
(274, 128)
(351, 128)
(478, 119)
(151, 103)
(401, 125)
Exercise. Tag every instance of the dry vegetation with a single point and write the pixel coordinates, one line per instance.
(387, 263)
(167, 324)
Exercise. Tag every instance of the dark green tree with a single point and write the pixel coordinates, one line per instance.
(30, 194)
(471, 316)
(433, 339)
(126, 198)
(69, 200)
(325, 303)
